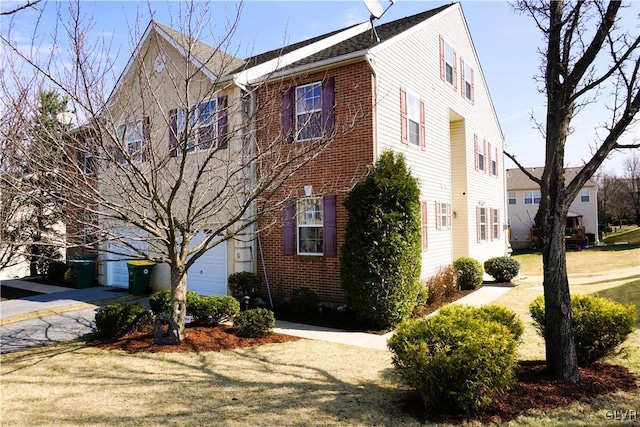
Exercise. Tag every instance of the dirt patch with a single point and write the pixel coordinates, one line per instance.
(534, 389)
(199, 339)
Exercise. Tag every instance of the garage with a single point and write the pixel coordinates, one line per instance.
(208, 275)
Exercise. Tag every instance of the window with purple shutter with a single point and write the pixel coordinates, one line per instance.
(287, 115)
(328, 105)
(173, 132)
(222, 122)
(288, 230)
(146, 138)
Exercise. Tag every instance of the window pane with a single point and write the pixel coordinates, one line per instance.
(310, 240)
(414, 132)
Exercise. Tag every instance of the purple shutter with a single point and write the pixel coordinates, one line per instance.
(330, 225)
(328, 105)
(287, 115)
(173, 132)
(146, 138)
(222, 122)
(288, 230)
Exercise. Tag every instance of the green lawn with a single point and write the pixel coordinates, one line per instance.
(632, 236)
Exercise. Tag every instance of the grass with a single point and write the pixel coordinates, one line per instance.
(630, 235)
(295, 384)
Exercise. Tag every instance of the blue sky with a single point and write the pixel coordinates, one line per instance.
(506, 44)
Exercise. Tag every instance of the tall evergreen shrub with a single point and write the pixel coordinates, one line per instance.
(380, 261)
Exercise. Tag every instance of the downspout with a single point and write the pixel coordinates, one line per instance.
(505, 216)
(370, 60)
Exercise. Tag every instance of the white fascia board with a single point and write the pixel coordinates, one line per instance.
(254, 74)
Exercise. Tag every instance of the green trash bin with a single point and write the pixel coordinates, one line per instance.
(83, 267)
(139, 275)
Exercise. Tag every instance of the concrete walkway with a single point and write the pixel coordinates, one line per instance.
(63, 314)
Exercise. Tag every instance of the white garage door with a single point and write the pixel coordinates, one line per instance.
(208, 275)
(117, 272)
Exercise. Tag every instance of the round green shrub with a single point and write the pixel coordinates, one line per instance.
(503, 268)
(213, 310)
(505, 317)
(254, 323)
(160, 301)
(457, 359)
(599, 325)
(303, 302)
(380, 261)
(470, 273)
(118, 319)
(243, 284)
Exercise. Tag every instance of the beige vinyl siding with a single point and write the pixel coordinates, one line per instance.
(445, 170)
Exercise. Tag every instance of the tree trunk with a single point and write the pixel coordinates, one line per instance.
(560, 349)
(179, 298)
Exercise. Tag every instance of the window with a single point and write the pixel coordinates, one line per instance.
(482, 224)
(466, 80)
(495, 223)
(201, 130)
(585, 195)
(414, 118)
(532, 197)
(308, 111)
(448, 67)
(481, 156)
(310, 237)
(131, 134)
(443, 216)
(87, 158)
(411, 119)
(512, 198)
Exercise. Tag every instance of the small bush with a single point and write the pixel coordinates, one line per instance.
(470, 273)
(118, 319)
(254, 323)
(303, 302)
(599, 325)
(442, 285)
(490, 312)
(160, 302)
(243, 284)
(503, 268)
(213, 310)
(456, 359)
(56, 271)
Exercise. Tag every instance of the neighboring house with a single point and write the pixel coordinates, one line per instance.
(427, 97)
(418, 90)
(523, 199)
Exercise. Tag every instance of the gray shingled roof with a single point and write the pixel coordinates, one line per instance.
(357, 43)
(217, 61)
(517, 180)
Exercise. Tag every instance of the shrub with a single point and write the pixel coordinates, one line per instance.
(503, 268)
(212, 310)
(160, 302)
(490, 312)
(470, 273)
(455, 359)
(257, 322)
(303, 302)
(118, 319)
(599, 325)
(380, 259)
(244, 283)
(56, 271)
(442, 285)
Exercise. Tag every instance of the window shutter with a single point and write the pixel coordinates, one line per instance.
(423, 144)
(455, 70)
(423, 217)
(438, 217)
(499, 224)
(287, 115)
(403, 116)
(288, 230)
(488, 151)
(478, 222)
(221, 114)
(490, 224)
(328, 105)
(448, 216)
(472, 88)
(463, 87)
(475, 149)
(329, 225)
(497, 162)
(146, 138)
(442, 64)
(487, 156)
(173, 132)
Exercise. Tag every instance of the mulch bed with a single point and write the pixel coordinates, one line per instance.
(533, 389)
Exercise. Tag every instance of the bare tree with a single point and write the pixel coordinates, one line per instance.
(586, 52)
(171, 152)
(19, 7)
(632, 179)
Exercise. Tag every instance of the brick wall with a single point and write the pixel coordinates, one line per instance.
(334, 171)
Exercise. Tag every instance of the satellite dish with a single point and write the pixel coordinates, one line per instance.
(374, 8)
